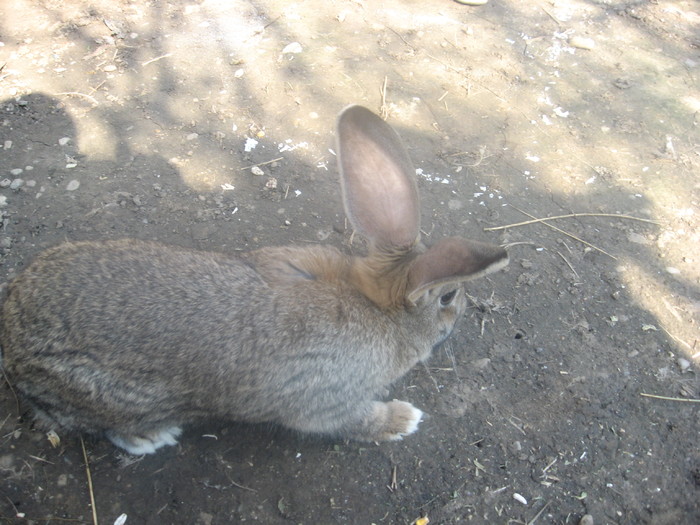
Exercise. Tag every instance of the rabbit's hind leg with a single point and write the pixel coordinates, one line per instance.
(146, 443)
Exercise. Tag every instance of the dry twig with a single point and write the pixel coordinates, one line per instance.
(543, 221)
(534, 220)
(261, 163)
(383, 110)
(12, 390)
(156, 59)
(533, 520)
(665, 398)
(92, 99)
(89, 480)
(568, 264)
(393, 485)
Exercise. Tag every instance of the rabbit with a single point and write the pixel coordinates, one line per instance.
(131, 340)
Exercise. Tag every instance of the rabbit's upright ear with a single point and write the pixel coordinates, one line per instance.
(452, 260)
(378, 180)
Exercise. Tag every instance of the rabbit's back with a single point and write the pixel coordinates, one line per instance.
(105, 335)
(99, 326)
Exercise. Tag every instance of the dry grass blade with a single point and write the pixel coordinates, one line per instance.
(568, 216)
(90, 98)
(543, 221)
(533, 520)
(89, 480)
(665, 398)
(383, 109)
(19, 411)
(262, 163)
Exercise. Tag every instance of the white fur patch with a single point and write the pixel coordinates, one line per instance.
(415, 421)
(412, 418)
(148, 443)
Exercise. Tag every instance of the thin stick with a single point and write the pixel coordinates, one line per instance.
(5, 421)
(383, 110)
(679, 399)
(77, 94)
(567, 234)
(92, 90)
(678, 339)
(41, 459)
(551, 16)
(393, 485)
(156, 59)
(12, 390)
(402, 38)
(89, 480)
(262, 163)
(241, 486)
(533, 520)
(568, 264)
(617, 216)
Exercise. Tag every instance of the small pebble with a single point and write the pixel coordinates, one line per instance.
(294, 47)
(482, 363)
(16, 184)
(73, 185)
(6, 461)
(109, 68)
(683, 364)
(16, 171)
(455, 204)
(582, 42)
(3, 201)
(63, 141)
(5, 183)
(8, 144)
(586, 520)
(518, 497)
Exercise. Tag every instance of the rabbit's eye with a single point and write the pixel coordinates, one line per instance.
(447, 298)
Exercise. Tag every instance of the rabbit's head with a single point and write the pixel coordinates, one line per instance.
(381, 201)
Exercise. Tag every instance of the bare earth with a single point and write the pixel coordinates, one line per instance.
(131, 119)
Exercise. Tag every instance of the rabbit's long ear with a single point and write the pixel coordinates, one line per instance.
(378, 180)
(452, 260)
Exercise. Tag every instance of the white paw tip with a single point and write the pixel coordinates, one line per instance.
(147, 444)
(417, 417)
(412, 420)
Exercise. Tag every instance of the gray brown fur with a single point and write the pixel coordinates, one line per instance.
(133, 339)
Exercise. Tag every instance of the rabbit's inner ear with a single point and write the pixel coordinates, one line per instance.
(453, 260)
(378, 179)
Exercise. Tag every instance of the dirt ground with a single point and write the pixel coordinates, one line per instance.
(138, 119)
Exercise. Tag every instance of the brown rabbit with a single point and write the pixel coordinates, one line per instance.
(133, 339)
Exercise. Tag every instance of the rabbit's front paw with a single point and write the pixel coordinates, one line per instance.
(402, 419)
(146, 443)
